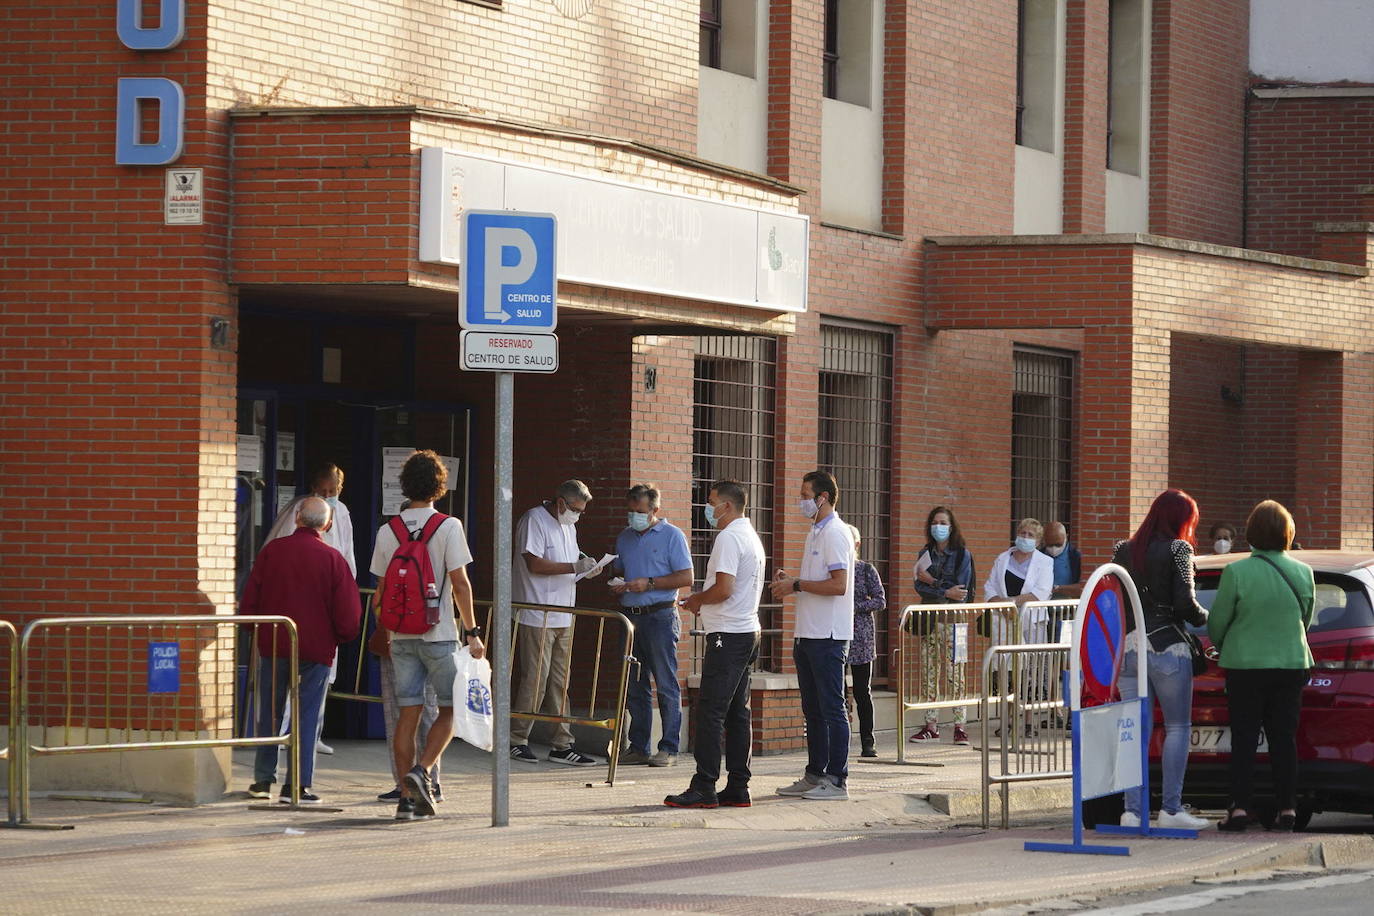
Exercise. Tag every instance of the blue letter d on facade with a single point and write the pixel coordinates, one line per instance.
(171, 122)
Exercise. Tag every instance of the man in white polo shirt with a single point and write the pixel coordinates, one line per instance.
(728, 609)
(824, 589)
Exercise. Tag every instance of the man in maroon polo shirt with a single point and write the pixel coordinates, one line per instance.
(303, 578)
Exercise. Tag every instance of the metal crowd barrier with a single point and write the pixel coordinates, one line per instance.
(617, 680)
(90, 685)
(351, 685)
(11, 636)
(937, 644)
(1032, 736)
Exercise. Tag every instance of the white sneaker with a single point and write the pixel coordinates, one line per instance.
(1130, 820)
(800, 787)
(827, 790)
(323, 748)
(1182, 820)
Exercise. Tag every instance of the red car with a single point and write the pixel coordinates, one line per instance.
(1336, 729)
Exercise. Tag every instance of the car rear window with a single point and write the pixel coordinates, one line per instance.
(1341, 602)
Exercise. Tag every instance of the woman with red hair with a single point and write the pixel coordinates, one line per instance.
(1159, 558)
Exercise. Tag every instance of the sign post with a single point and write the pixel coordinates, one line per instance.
(1116, 732)
(508, 309)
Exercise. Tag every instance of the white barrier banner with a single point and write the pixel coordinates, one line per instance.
(1110, 741)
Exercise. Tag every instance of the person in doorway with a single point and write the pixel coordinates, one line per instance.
(303, 578)
(943, 575)
(653, 558)
(728, 610)
(1259, 623)
(428, 657)
(1222, 536)
(869, 600)
(379, 644)
(327, 484)
(544, 570)
(824, 589)
(1159, 558)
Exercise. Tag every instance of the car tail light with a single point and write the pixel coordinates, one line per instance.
(1354, 655)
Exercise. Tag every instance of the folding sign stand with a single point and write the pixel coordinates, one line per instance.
(1116, 734)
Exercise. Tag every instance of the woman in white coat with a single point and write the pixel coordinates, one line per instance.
(1020, 574)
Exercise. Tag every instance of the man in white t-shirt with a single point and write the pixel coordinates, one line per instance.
(427, 656)
(544, 570)
(728, 611)
(824, 588)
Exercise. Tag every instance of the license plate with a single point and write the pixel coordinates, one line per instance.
(1216, 739)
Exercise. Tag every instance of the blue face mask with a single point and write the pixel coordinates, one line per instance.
(1026, 545)
(940, 533)
(809, 508)
(333, 501)
(710, 515)
(639, 521)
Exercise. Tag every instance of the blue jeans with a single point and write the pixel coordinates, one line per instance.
(1171, 686)
(656, 636)
(273, 674)
(820, 678)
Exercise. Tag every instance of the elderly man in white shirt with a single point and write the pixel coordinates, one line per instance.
(824, 588)
(544, 570)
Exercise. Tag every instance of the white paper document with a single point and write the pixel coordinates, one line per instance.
(601, 564)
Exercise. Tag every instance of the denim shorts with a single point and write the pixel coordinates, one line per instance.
(414, 661)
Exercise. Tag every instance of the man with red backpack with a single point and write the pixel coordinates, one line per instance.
(420, 559)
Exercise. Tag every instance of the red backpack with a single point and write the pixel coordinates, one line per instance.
(410, 597)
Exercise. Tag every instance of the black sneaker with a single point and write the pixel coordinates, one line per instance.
(522, 753)
(734, 798)
(437, 791)
(260, 790)
(307, 797)
(693, 798)
(393, 795)
(418, 781)
(405, 809)
(570, 757)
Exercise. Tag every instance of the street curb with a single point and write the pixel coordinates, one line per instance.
(1328, 853)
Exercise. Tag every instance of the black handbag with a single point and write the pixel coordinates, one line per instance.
(1194, 649)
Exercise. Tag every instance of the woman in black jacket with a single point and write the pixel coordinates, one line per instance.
(1160, 560)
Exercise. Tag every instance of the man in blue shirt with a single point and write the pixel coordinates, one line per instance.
(654, 560)
(1068, 563)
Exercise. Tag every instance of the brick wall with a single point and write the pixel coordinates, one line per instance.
(1307, 159)
(1199, 71)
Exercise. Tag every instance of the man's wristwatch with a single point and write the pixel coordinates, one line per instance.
(796, 585)
(651, 584)
(475, 631)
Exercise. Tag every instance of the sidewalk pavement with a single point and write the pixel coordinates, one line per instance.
(576, 845)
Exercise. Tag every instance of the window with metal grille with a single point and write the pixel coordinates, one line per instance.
(1041, 435)
(734, 397)
(855, 439)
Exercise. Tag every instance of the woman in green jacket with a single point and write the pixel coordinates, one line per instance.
(1259, 624)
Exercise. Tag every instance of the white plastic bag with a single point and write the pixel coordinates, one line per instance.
(472, 718)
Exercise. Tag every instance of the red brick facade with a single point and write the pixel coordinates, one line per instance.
(310, 138)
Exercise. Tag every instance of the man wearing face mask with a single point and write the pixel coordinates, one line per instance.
(824, 589)
(1068, 562)
(544, 570)
(1223, 537)
(653, 558)
(326, 483)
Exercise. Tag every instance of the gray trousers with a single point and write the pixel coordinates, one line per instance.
(542, 654)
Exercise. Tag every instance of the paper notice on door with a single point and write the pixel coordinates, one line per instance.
(250, 455)
(452, 464)
(601, 564)
(286, 451)
(393, 459)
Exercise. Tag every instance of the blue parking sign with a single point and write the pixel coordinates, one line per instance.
(509, 271)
